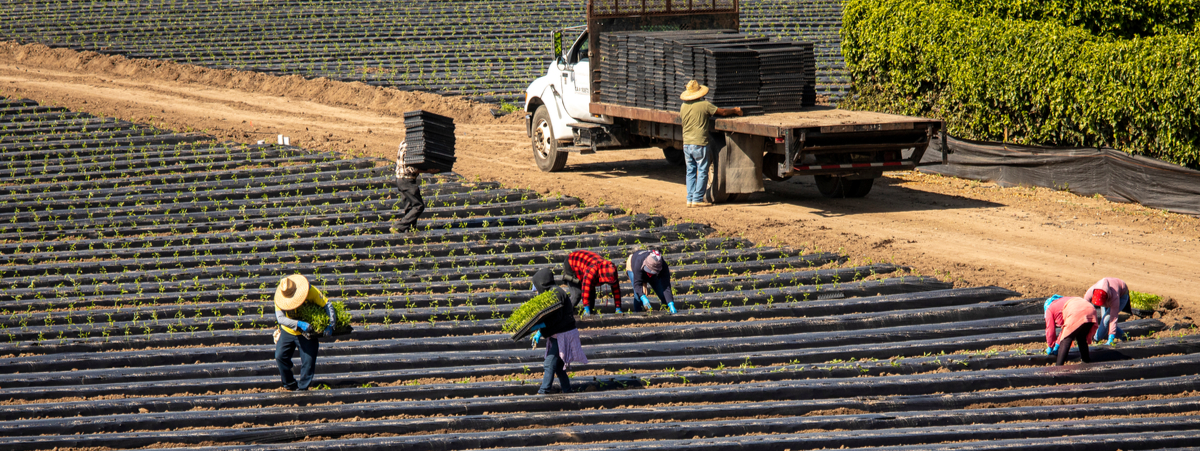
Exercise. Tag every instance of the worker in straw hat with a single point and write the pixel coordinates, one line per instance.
(293, 333)
(696, 114)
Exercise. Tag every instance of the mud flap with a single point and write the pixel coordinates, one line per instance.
(740, 164)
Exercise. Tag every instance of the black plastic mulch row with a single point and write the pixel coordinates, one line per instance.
(712, 353)
(1050, 417)
(361, 240)
(366, 402)
(821, 332)
(943, 305)
(470, 310)
(376, 213)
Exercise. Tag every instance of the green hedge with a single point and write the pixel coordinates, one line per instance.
(1122, 19)
(1034, 82)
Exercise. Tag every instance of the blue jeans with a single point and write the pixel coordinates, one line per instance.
(658, 284)
(554, 366)
(288, 344)
(1107, 316)
(696, 158)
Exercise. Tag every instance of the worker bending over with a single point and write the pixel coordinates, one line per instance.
(410, 192)
(1111, 296)
(1076, 318)
(294, 291)
(648, 268)
(583, 272)
(562, 338)
(696, 115)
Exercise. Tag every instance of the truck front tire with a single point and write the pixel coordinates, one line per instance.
(545, 145)
(841, 187)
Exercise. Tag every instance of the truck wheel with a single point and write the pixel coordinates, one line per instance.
(840, 187)
(545, 146)
(770, 167)
(674, 156)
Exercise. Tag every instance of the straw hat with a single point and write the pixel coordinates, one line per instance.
(694, 91)
(291, 292)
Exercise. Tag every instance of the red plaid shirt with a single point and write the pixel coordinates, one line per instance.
(592, 269)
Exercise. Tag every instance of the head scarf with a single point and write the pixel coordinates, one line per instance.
(1049, 301)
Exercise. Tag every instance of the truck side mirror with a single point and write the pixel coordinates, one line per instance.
(558, 44)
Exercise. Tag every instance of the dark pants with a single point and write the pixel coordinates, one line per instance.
(659, 285)
(554, 367)
(1080, 336)
(308, 360)
(413, 204)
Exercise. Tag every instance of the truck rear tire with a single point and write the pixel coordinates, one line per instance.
(545, 145)
(840, 187)
(674, 156)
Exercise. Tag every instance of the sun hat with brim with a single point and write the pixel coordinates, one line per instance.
(694, 90)
(291, 292)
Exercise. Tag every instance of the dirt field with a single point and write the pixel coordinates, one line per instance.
(1034, 241)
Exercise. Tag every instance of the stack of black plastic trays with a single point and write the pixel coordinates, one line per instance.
(733, 78)
(635, 49)
(430, 139)
(781, 72)
(612, 74)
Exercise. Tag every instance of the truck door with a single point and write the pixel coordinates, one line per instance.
(576, 83)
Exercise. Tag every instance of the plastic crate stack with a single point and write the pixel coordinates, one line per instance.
(650, 70)
(430, 139)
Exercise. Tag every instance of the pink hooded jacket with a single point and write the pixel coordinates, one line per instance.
(1069, 314)
(1117, 291)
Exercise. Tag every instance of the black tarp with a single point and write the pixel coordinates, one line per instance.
(1116, 175)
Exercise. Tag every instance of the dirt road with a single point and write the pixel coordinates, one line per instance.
(1034, 241)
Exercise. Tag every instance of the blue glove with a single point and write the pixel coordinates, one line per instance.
(587, 310)
(1049, 350)
(1110, 339)
(618, 310)
(646, 303)
(671, 305)
(303, 326)
(329, 331)
(536, 336)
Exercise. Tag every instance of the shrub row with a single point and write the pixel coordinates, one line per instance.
(993, 77)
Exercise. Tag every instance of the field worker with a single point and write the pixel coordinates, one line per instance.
(1111, 296)
(293, 292)
(1077, 319)
(562, 338)
(584, 271)
(696, 114)
(410, 192)
(647, 267)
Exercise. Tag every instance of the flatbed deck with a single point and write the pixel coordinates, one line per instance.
(777, 125)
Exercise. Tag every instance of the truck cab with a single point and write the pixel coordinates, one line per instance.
(560, 99)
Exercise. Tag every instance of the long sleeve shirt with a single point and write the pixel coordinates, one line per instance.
(1117, 294)
(291, 325)
(591, 269)
(1069, 314)
(640, 278)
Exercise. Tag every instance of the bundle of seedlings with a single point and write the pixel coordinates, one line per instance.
(530, 313)
(319, 318)
(1143, 304)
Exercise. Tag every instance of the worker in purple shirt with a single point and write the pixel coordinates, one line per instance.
(648, 268)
